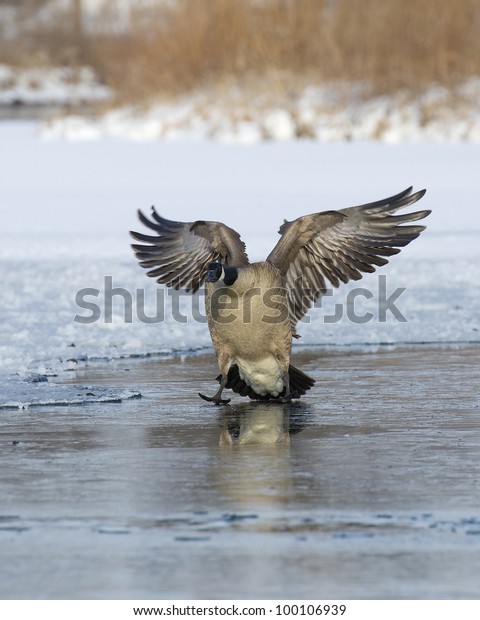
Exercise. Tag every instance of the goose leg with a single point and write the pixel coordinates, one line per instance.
(217, 397)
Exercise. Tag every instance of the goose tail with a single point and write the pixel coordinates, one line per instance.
(300, 383)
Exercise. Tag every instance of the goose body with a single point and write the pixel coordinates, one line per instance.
(252, 308)
(250, 327)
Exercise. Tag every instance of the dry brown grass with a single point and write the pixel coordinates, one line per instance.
(179, 47)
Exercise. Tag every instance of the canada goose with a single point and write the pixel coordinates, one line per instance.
(252, 308)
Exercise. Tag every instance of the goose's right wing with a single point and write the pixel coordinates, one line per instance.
(179, 253)
(339, 245)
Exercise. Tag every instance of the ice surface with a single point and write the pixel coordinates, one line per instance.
(35, 390)
(66, 210)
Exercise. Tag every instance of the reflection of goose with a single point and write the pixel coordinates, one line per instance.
(254, 453)
(252, 309)
(261, 423)
(256, 424)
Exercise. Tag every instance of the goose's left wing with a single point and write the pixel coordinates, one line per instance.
(179, 253)
(339, 245)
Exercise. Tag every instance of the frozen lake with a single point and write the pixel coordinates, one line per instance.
(368, 488)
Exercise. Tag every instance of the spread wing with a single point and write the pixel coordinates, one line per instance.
(339, 245)
(179, 252)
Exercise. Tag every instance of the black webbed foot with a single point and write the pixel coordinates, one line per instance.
(215, 399)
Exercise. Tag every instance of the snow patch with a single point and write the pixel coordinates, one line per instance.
(61, 86)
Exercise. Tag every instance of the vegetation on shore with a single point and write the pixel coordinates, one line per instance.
(178, 47)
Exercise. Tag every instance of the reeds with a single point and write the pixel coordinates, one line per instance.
(184, 45)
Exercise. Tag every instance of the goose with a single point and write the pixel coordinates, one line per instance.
(253, 308)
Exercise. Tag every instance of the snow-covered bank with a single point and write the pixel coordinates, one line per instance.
(244, 114)
(66, 210)
(254, 114)
(44, 87)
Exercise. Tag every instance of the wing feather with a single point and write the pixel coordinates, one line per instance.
(338, 246)
(179, 253)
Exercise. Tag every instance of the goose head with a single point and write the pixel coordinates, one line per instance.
(217, 271)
